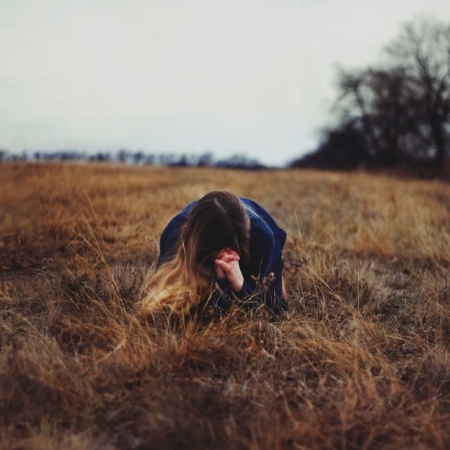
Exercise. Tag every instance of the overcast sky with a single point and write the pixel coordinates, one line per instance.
(253, 77)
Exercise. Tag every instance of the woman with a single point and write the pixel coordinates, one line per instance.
(219, 250)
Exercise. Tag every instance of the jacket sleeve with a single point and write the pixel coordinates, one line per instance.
(269, 240)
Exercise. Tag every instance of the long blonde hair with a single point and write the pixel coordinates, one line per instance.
(217, 221)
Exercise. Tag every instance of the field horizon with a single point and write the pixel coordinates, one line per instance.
(360, 360)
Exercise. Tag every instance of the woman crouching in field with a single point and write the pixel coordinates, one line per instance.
(218, 251)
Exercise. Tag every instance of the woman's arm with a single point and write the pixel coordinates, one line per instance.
(270, 291)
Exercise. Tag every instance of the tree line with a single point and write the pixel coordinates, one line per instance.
(138, 158)
(396, 112)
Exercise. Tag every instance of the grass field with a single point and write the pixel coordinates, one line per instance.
(361, 361)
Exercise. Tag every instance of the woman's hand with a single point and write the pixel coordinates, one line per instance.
(226, 264)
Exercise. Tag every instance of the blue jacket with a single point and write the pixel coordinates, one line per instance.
(266, 244)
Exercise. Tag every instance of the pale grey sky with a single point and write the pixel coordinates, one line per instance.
(227, 76)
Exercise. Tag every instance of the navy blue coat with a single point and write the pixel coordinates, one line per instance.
(266, 244)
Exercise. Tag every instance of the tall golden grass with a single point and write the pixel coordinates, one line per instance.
(361, 360)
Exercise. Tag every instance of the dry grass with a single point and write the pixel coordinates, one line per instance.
(362, 359)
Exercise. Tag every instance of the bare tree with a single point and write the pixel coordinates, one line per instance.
(403, 107)
(422, 51)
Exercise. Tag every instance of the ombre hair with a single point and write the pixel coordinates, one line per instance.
(217, 221)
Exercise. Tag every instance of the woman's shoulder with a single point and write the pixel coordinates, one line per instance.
(170, 236)
(267, 239)
(255, 208)
(260, 217)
